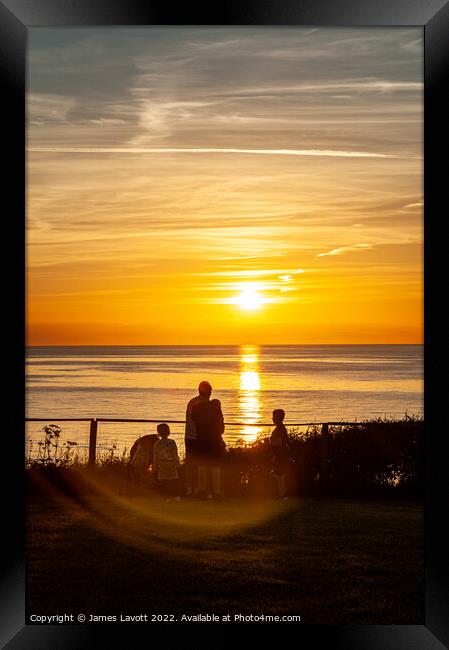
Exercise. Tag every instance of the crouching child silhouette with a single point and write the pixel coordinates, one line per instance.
(166, 463)
(140, 459)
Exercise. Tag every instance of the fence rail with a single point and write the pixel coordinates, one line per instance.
(229, 424)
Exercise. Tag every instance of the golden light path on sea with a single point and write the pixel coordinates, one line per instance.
(250, 401)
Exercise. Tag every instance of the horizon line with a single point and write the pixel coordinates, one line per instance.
(198, 345)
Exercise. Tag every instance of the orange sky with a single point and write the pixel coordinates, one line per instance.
(174, 173)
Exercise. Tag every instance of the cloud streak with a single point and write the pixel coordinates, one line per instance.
(331, 153)
(373, 85)
(251, 273)
(345, 249)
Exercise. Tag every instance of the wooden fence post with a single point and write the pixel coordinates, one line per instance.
(323, 462)
(93, 443)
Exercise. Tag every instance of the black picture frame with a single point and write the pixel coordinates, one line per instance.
(16, 17)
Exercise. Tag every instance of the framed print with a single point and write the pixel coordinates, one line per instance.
(226, 261)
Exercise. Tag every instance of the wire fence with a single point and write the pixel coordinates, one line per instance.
(102, 435)
(95, 443)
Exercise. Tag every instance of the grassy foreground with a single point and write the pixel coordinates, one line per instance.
(329, 560)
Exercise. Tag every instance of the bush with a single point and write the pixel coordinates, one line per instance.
(371, 458)
(378, 456)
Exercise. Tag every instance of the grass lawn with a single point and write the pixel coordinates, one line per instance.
(329, 560)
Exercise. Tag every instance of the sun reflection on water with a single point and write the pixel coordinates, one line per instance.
(249, 380)
(250, 402)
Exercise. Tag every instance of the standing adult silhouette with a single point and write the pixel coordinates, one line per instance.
(190, 439)
(208, 418)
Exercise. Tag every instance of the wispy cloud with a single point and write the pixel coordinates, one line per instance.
(48, 107)
(292, 92)
(174, 150)
(358, 85)
(345, 249)
(252, 273)
(410, 206)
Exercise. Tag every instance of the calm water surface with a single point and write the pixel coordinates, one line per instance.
(311, 383)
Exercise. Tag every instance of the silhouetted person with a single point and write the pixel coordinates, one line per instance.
(141, 457)
(208, 418)
(279, 445)
(166, 463)
(191, 461)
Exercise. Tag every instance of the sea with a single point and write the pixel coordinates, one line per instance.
(312, 383)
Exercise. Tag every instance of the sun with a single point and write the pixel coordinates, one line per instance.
(249, 299)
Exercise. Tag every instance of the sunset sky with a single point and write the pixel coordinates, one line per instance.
(225, 185)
